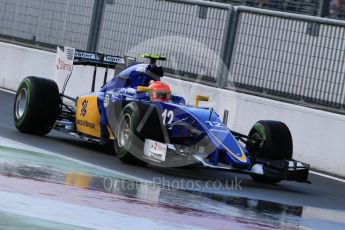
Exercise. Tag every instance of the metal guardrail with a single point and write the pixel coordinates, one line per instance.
(190, 32)
(55, 21)
(309, 7)
(288, 55)
(323, 8)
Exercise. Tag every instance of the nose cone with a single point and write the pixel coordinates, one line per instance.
(235, 154)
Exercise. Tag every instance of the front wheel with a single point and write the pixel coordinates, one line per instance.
(276, 144)
(128, 145)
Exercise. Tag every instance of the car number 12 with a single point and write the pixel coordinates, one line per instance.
(214, 124)
(168, 117)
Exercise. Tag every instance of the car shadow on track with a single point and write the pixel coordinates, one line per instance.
(70, 144)
(204, 174)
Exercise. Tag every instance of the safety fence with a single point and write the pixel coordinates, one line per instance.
(308, 7)
(325, 8)
(290, 56)
(298, 57)
(188, 34)
(47, 21)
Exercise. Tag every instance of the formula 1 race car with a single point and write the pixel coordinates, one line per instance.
(148, 124)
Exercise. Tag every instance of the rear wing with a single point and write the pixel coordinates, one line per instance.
(102, 60)
(67, 57)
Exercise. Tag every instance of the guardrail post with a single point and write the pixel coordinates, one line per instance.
(95, 26)
(225, 117)
(325, 8)
(227, 47)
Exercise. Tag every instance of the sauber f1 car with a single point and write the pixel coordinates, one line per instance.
(148, 124)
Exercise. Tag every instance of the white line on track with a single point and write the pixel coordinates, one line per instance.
(312, 172)
(8, 91)
(327, 176)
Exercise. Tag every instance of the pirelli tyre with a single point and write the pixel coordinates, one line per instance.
(128, 145)
(276, 144)
(36, 105)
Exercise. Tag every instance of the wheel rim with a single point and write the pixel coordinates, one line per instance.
(124, 132)
(255, 136)
(21, 103)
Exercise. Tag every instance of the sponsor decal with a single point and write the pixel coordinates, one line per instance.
(155, 149)
(106, 100)
(83, 109)
(215, 126)
(61, 65)
(91, 56)
(219, 130)
(114, 59)
(86, 124)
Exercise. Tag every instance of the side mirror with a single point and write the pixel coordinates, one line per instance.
(143, 89)
(200, 98)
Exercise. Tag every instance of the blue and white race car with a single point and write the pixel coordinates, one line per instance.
(148, 124)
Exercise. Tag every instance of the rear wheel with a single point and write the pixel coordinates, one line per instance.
(128, 145)
(276, 144)
(36, 105)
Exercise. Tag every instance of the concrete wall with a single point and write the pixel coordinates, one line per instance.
(18, 62)
(318, 135)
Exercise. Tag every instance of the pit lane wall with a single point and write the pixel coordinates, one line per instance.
(319, 136)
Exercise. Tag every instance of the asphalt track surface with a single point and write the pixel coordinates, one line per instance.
(323, 193)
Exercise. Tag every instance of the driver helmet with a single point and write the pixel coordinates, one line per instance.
(159, 91)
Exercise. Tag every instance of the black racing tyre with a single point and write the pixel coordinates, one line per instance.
(36, 105)
(128, 143)
(277, 140)
(277, 144)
